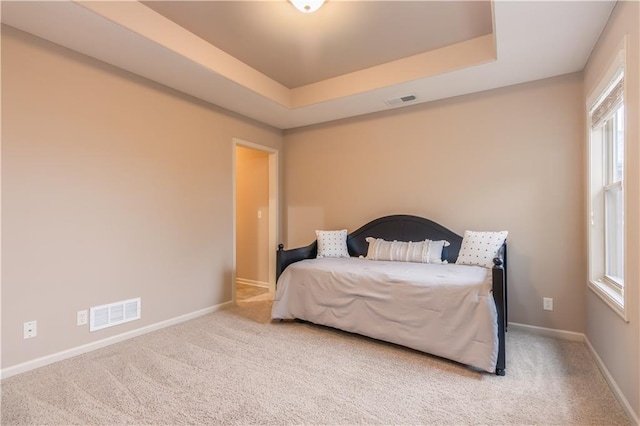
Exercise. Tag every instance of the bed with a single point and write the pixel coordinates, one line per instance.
(458, 312)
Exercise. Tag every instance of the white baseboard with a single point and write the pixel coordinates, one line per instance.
(612, 383)
(78, 350)
(549, 332)
(254, 283)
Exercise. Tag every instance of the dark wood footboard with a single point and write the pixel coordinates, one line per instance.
(413, 228)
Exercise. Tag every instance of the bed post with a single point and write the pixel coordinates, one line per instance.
(500, 297)
(279, 267)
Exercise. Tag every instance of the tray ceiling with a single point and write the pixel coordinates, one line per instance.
(298, 49)
(271, 63)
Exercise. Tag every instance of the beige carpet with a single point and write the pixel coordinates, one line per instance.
(236, 367)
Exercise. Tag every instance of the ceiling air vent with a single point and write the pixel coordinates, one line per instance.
(401, 100)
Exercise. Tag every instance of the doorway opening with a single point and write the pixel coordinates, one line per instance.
(255, 220)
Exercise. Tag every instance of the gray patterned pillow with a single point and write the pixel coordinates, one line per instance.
(332, 243)
(479, 248)
(426, 251)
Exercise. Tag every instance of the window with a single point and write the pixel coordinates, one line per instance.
(606, 118)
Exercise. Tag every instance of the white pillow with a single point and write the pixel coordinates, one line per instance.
(332, 243)
(426, 251)
(479, 248)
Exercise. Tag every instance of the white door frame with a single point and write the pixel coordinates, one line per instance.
(273, 209)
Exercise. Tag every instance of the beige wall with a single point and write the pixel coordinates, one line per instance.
(616, 342)
(506, 159)
(113, 187)
(252, 196)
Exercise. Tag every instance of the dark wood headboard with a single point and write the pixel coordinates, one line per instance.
(398, 227)
(404, 228)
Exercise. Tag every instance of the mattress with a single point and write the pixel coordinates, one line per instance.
(445, 310)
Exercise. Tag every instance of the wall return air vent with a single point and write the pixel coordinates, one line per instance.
(400, 100)
(114, 313)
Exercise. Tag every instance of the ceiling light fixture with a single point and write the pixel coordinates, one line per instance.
(307, 6)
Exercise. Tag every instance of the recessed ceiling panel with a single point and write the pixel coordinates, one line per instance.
(297, 49)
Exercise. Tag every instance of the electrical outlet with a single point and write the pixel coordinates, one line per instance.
(547, 303)
(30, 329)
(83, 317)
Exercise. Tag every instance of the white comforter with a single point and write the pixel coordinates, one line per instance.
(445, 310)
